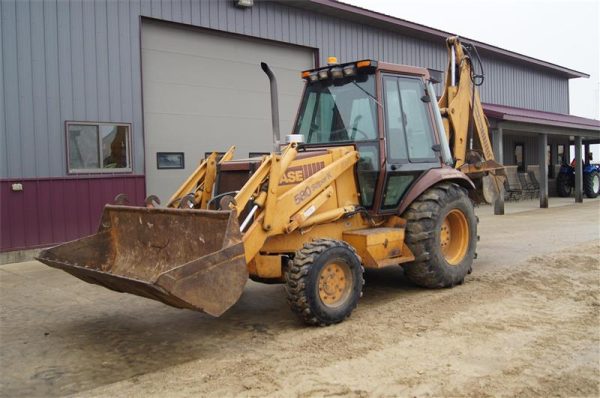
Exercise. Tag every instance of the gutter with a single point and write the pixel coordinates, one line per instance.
(351, 12)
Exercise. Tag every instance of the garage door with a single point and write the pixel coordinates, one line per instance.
(205, 91)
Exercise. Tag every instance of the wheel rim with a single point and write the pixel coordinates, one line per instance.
(454, 237)
(596, 183)
(335, 283)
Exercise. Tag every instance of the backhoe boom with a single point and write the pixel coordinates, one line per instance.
(465, 123)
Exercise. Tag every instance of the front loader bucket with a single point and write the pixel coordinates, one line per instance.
(184, 258)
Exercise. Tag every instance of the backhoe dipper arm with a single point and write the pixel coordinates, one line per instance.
(460, 104)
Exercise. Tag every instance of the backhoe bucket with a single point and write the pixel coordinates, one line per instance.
(488, 177)
(184, 258)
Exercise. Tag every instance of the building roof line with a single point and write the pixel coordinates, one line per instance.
(511, 113)
(344, 9)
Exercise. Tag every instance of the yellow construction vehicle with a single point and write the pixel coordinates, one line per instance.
(375, 174)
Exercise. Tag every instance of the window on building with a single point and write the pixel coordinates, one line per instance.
(519, 157)
(98, 147)
(170, 160)
(258, 154)
(560, 152)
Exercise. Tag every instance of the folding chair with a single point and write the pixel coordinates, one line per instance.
(528, 189)
(534, 181)
(511, 191)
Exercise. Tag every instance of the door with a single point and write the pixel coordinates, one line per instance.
(409, 137)
(204, 91)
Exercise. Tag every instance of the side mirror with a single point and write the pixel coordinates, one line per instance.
(435, 76)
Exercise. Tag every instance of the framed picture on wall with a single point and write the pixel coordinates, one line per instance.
(170, 160)
(219, 155)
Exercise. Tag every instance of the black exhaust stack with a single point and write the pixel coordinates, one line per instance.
(274, 106)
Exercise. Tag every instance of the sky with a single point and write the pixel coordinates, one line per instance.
(563, 32)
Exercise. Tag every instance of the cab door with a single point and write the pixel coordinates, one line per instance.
(409, 137)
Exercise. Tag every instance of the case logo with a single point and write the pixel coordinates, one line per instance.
(296, 174)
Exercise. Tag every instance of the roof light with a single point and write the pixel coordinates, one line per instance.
(323, 74)
(243, 3)
(337, 73)
(349, 70)
(305, 74)
(362, 64)
(313, 77)
(332, 61)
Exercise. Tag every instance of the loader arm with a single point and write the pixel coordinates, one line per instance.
(199, 185)
(274, 212)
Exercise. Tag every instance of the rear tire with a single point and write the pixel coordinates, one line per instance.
(324, 282)
(441, 232)
(563, 185)
(591, 184)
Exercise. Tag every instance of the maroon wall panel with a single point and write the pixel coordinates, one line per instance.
(54, 210)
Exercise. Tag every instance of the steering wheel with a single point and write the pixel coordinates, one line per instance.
(354, 131)
(357, 130)
(334, 133)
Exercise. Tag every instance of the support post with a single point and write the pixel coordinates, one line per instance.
(542, 143)
(586, 160)
(497, 143)
(578, 171)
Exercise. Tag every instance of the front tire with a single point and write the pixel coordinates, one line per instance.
(591, 184)
(324, 282)
(441, 232)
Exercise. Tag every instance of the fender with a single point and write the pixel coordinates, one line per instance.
(590, 168)
(432, 177)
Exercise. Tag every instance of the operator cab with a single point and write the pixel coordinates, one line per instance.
(387, 112)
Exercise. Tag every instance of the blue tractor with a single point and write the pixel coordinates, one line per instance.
(565, 181)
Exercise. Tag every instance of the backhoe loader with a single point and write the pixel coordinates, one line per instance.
(376, 173)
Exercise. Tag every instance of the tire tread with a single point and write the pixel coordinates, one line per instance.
(422, 216)
(297, 279)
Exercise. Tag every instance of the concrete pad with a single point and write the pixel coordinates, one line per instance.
(59, 335)
(533, 204)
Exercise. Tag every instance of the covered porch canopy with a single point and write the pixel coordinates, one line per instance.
(577, 130)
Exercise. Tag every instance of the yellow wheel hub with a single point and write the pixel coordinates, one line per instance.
(454, 237)
(335, 283)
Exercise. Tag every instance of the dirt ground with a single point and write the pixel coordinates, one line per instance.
(526, 322)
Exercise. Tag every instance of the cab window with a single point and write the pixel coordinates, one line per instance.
(340, 111)
(408, 125)
(419, 132)
(409, 135)
(394, 125)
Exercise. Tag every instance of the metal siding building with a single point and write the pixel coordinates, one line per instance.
(81, 61)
